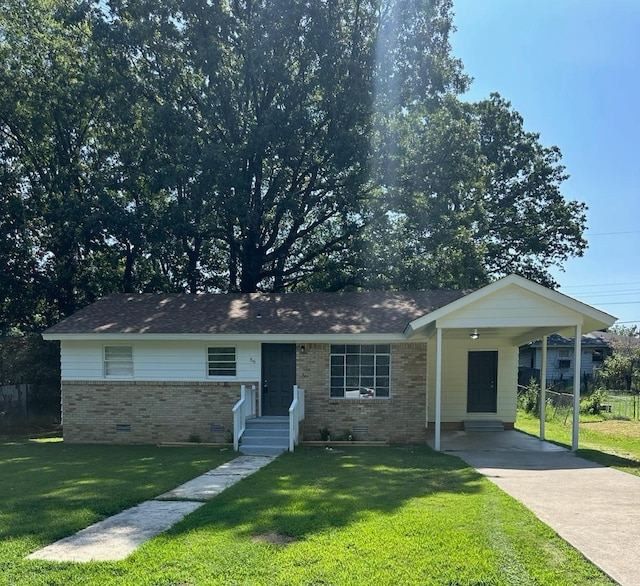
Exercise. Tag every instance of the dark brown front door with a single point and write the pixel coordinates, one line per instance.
(278, 378)
(482, 382)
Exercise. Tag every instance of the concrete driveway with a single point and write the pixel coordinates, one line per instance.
(595, 508)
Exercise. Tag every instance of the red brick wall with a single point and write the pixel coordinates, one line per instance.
(95, 412)
(400, 418)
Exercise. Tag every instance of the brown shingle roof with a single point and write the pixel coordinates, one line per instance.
(255, 313)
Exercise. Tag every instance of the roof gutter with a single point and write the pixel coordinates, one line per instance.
(283, 338)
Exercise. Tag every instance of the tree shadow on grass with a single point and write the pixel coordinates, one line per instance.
(314, 489)
(50, 490)
(610, 460)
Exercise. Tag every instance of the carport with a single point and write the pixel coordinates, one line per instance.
(498, 318)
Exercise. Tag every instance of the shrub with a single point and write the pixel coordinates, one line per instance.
(593, 404)
(345, 436)
(528, 398)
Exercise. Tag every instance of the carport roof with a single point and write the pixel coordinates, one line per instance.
(528, 310)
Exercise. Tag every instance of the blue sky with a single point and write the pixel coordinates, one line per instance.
(572, 70)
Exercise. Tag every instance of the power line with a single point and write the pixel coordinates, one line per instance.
(609, 294)
(618, 303)
(612, 233)
(600, 285)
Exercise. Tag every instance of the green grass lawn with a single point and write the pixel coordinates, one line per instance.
(49, 489)
(604, 440)
(378, 516)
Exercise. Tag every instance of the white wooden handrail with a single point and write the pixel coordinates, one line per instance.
(244, 409)
(296, 415)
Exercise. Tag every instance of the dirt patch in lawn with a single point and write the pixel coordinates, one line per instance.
(614, 427)
(273, 537)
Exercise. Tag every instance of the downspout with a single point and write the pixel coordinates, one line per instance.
(576, 387)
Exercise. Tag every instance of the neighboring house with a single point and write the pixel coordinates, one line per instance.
(392, 366)
(596, 346)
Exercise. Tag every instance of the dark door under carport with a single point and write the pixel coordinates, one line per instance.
(482, 382)
(278, 378)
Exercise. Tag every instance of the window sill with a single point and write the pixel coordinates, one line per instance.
(372, 400)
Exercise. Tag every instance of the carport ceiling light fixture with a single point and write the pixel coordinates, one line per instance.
(474, 335)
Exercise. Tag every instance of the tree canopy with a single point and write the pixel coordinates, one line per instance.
(621, 370)
(244, 145)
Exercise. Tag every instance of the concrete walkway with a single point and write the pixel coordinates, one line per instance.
(118, 536)
(595, 508)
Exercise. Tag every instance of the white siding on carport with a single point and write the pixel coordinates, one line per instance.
(511, 306)
(157, 360)
(454, 379)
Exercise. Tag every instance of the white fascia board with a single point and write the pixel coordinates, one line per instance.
(283, 338)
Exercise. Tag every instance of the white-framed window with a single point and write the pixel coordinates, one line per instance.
(360, 371)
(118, 361)
(221, 361)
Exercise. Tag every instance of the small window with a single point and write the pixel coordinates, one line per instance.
(118, 361)
(221, 361)
(597, 355)
(564, 363)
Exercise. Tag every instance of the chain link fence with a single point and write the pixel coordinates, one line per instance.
(612, 404)
(621, 405)
(29, 385)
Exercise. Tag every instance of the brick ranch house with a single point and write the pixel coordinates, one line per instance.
(394, 366)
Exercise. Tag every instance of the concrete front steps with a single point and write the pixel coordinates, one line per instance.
(483, 425)
(265, 436)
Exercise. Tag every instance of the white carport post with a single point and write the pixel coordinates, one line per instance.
(438, 387)
(543, 387)
(576, 387)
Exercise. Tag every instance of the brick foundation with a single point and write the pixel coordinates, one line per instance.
(140, 412)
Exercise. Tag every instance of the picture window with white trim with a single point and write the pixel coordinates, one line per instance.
(360, 371)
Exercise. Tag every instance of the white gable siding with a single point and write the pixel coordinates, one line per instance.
(512, 306)
(454, 380)
(158, 360)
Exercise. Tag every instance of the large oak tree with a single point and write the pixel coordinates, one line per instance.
(230, 145)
